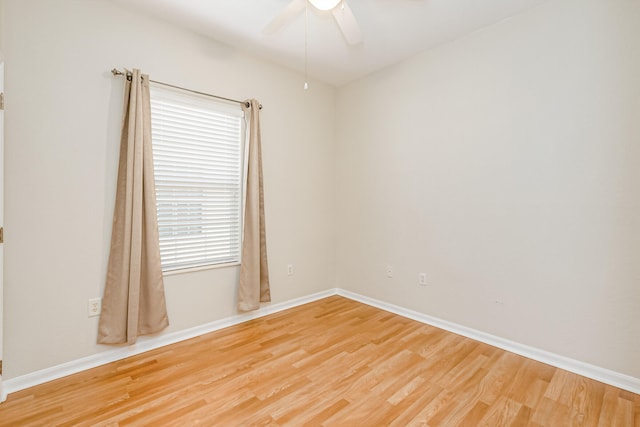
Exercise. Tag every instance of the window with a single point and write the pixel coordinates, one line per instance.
(197, 155)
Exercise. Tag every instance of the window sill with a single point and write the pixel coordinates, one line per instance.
(201, 268)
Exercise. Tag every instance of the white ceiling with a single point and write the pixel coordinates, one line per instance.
(393, 30)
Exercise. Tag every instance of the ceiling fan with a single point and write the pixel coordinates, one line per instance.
(340, 10)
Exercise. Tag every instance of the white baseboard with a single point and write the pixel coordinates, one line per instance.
(145, 344)
(616, 379)
(597, 373)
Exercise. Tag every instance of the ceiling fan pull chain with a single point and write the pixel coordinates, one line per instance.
(306, 43)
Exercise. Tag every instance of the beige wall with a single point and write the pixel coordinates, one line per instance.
(62, 123)
(1, 175)
(505, 166)
(1, 184)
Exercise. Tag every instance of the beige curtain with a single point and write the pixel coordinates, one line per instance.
(254, 271)
(134, 303)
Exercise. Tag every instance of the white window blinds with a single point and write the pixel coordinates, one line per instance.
(197, 154)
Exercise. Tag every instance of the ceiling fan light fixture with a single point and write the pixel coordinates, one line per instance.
(324, 4)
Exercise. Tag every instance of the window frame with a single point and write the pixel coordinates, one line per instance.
(231, 109)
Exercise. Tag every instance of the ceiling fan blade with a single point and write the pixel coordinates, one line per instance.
(347, 23)
(288, 13)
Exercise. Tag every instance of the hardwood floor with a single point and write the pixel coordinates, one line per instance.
(333, 362)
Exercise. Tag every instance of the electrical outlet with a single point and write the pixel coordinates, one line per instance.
(389, 271)
(422, 279)
(95, 307)
(290, 270)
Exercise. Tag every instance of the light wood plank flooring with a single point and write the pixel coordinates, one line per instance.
(334, 362)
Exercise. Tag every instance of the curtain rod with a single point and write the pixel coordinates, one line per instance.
(117, 72)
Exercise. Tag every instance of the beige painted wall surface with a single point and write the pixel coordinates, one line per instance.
(505, 166)
(62, 122)
(1, 180)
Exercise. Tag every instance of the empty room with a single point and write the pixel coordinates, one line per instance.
(320, 212)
